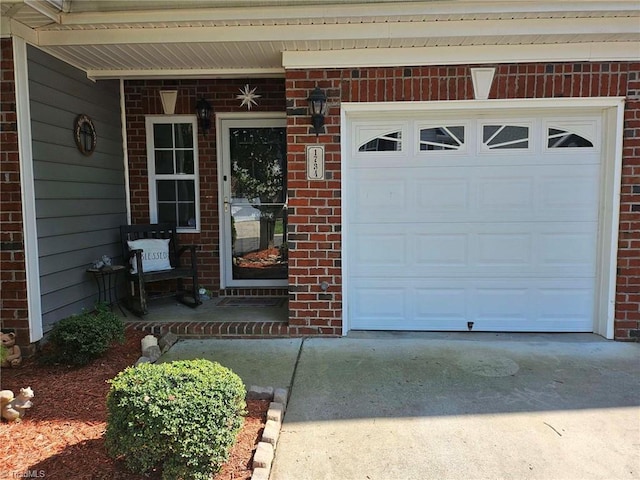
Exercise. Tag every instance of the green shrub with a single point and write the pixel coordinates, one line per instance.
(4, 353)
(78, 339)
(181, 416)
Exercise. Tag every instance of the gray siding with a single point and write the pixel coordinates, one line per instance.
(80, 201)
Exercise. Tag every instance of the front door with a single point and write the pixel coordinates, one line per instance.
(253, 190)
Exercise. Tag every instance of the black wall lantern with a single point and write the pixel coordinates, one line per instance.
(318, 104)
(203, 112)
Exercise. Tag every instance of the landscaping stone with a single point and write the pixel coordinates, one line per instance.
(280, 395)
(167, 341)
(152, 353)
(271, 432)
(260, 393)
(275, 412)
(260, 474)
(263, 456)
(143, 360)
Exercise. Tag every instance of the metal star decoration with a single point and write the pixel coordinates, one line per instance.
(248, 96)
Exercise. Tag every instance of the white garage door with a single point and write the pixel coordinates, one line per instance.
(484, 221)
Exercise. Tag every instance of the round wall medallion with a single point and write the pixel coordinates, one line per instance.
(84, 133)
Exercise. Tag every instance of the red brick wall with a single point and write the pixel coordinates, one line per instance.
(143, 98)
(314, 214)
(13, 285)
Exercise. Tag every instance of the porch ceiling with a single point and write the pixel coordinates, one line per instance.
(213, 38)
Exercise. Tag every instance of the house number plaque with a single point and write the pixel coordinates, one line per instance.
(315, 162)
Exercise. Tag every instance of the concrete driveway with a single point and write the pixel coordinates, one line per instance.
(462, 406)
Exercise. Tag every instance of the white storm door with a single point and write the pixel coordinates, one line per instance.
(253, 201)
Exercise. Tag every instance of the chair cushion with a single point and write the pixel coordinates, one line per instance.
(155, 254)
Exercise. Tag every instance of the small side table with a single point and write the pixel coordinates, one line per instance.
(107, 281)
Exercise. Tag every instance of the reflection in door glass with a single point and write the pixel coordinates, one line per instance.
(258, 211)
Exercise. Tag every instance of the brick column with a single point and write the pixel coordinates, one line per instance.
(314, 230)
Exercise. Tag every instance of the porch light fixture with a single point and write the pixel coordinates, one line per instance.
(317, 104)
(203, 112)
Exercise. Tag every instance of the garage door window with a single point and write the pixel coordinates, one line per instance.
(389, 142)
(559, 138)
(500, 137)
(442, 138)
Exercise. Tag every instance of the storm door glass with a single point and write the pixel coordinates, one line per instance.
(258, 217)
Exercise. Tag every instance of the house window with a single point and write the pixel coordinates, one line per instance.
(559, 138)
(173, 171)
(501, 137)
(442, 138)
(389, 142)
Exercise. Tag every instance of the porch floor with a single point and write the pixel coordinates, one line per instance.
(214, 318)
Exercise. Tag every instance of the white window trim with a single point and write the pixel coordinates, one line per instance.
(151, 166)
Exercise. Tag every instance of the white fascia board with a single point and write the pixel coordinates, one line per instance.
(18, 29)
(175, 74)
(343, 11)
(361, 31)
(476, 54)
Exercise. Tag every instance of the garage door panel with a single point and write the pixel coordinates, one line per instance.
(477, 250)
(378, 307)
(434, 250)
(495, 305)
(381, 249)
(383, 197)
(573, 193)
(508, 249)
(428, 196)
(574, 250)
(504, 238)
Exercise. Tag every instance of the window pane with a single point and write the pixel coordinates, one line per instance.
(162, 133)
(166, 212)
(184, 135)
(164, 161)
(390, 142)
(442, 138)
(184, 161)
(166, 190)
(505, 136)
(258, 162)
(187, 213)
(186, 190)
(565, 139)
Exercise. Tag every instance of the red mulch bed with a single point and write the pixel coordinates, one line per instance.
(61, 436)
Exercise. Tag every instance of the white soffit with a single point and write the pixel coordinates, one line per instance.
(232, 39)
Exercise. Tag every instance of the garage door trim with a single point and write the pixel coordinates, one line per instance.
(612, 111)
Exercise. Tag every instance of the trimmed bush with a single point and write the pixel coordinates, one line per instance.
(181, 416)
(79, 339)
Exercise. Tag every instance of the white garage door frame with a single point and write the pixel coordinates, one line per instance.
(612, 111)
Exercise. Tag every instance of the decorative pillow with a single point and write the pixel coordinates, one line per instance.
(155, 254)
